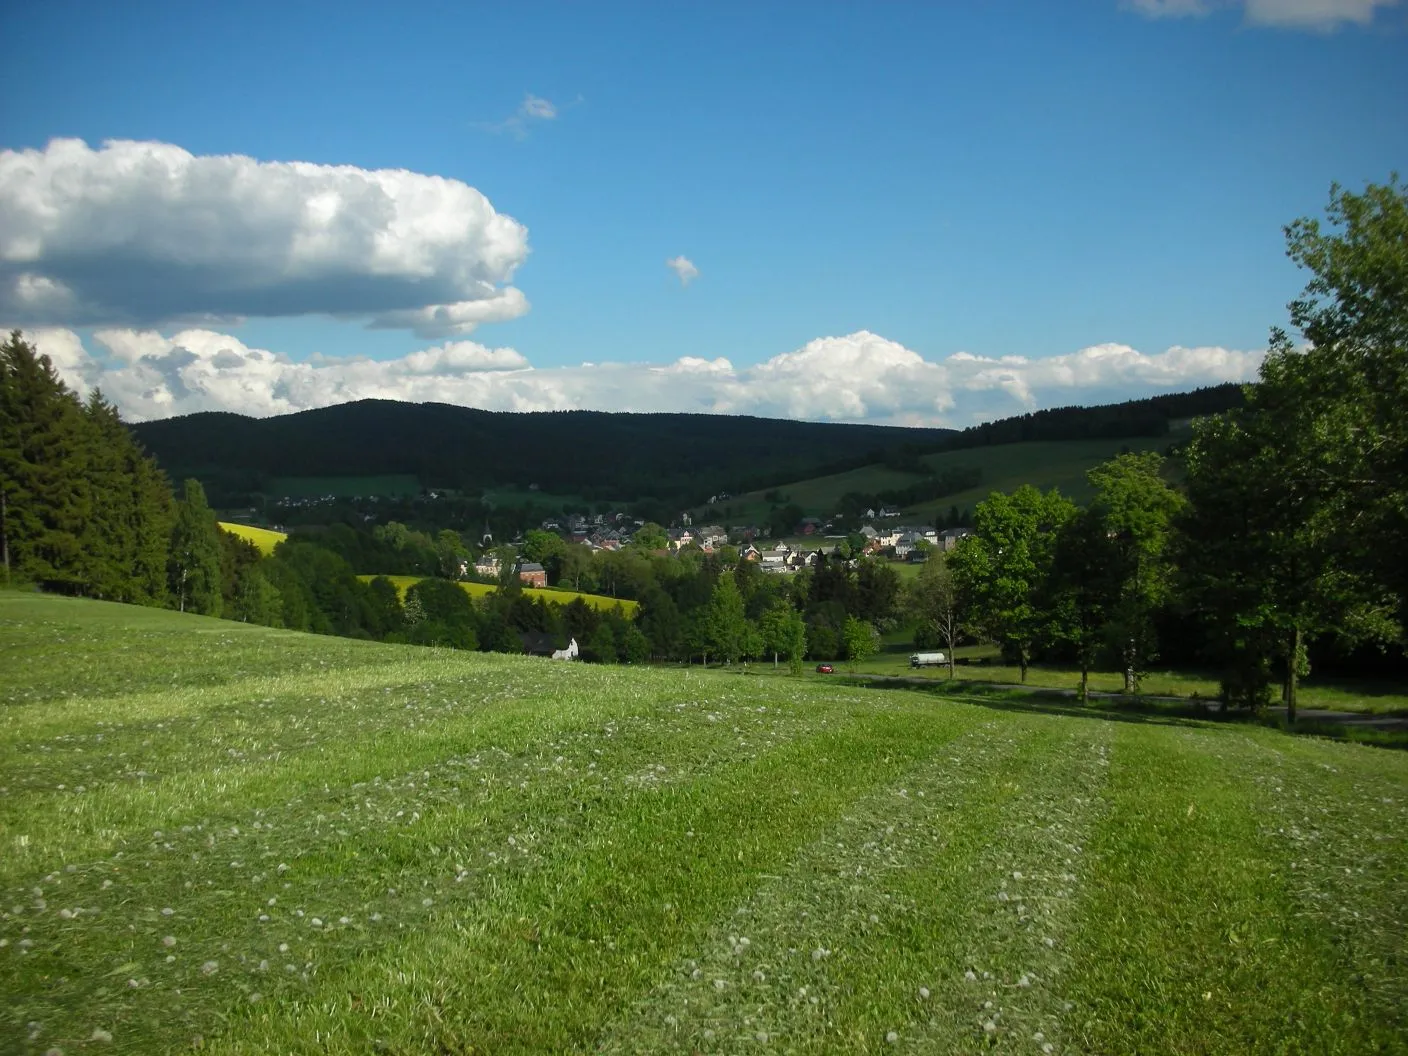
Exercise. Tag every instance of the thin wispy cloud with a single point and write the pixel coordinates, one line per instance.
(1321, 15)
(684, 268)
(534, 108)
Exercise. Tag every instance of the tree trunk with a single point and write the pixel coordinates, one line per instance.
(774, 661)
(1129, 669)
(1084, 679)
(1292, 675)
(5, 532)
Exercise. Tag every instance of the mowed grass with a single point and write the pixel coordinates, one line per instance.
(265, 539)
(252, 841)
(554, 596)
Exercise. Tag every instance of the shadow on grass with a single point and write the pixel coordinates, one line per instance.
(1163, 711)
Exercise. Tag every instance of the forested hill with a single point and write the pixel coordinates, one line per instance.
(593, 454)
(1147, 417)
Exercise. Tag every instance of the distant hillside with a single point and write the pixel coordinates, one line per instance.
(1054, 448)
(597, 456)
(1001, 467)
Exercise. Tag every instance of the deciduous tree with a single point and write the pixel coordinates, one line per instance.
(1002, 568)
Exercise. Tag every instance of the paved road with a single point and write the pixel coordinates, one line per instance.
(1345, 718)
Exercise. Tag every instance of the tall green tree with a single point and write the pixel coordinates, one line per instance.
(1300, 500)
(1003, 567)
(784, 633)
(1082, 590)
(725, 624)
(44, 499)
(1133, 511)
(194, 568)
(862, 640)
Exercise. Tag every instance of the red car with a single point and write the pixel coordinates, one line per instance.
(824, 669)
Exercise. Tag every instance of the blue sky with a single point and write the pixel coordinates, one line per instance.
(999, 179)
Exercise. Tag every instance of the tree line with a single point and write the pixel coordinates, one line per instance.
(1289, 532)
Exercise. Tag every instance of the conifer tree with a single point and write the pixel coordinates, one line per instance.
(42, 463)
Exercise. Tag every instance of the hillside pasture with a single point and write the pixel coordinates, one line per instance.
(242, 840)
(551, 595)
(265, 539)
(1005, 467)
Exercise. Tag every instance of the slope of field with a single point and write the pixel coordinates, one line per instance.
(225, 837)
(263, 538)
(1043, 463)
(553, 596)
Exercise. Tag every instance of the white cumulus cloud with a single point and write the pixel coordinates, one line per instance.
(684, 268)
(857, 377)
(143, 234)
(1287, 14)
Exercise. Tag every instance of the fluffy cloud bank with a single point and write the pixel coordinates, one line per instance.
(1288, 14)
(147, 233)
(859, 377)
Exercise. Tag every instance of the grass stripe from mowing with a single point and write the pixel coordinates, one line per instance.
(1192, 936)
(541, 965)
(930, 916)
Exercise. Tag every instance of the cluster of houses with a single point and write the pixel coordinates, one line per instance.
(613, 531)
(902, 544)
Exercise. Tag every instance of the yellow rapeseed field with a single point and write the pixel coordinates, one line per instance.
(554, 597)
(264, 538)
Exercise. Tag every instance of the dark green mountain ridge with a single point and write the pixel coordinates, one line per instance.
(594, 454)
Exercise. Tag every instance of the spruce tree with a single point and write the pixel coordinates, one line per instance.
(43, 459)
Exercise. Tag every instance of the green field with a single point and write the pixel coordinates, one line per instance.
(396, 484)
(1045, 464)
(263, 538)
(242, 840)
(553, 595)
(1376, 696)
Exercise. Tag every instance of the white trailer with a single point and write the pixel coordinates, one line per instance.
(927, 659)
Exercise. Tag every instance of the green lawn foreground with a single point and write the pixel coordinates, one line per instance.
(258, 841)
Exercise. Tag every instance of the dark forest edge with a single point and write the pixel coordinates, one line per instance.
(1283, 542)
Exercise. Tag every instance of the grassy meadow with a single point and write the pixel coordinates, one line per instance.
(553, 595)
(245, 840)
